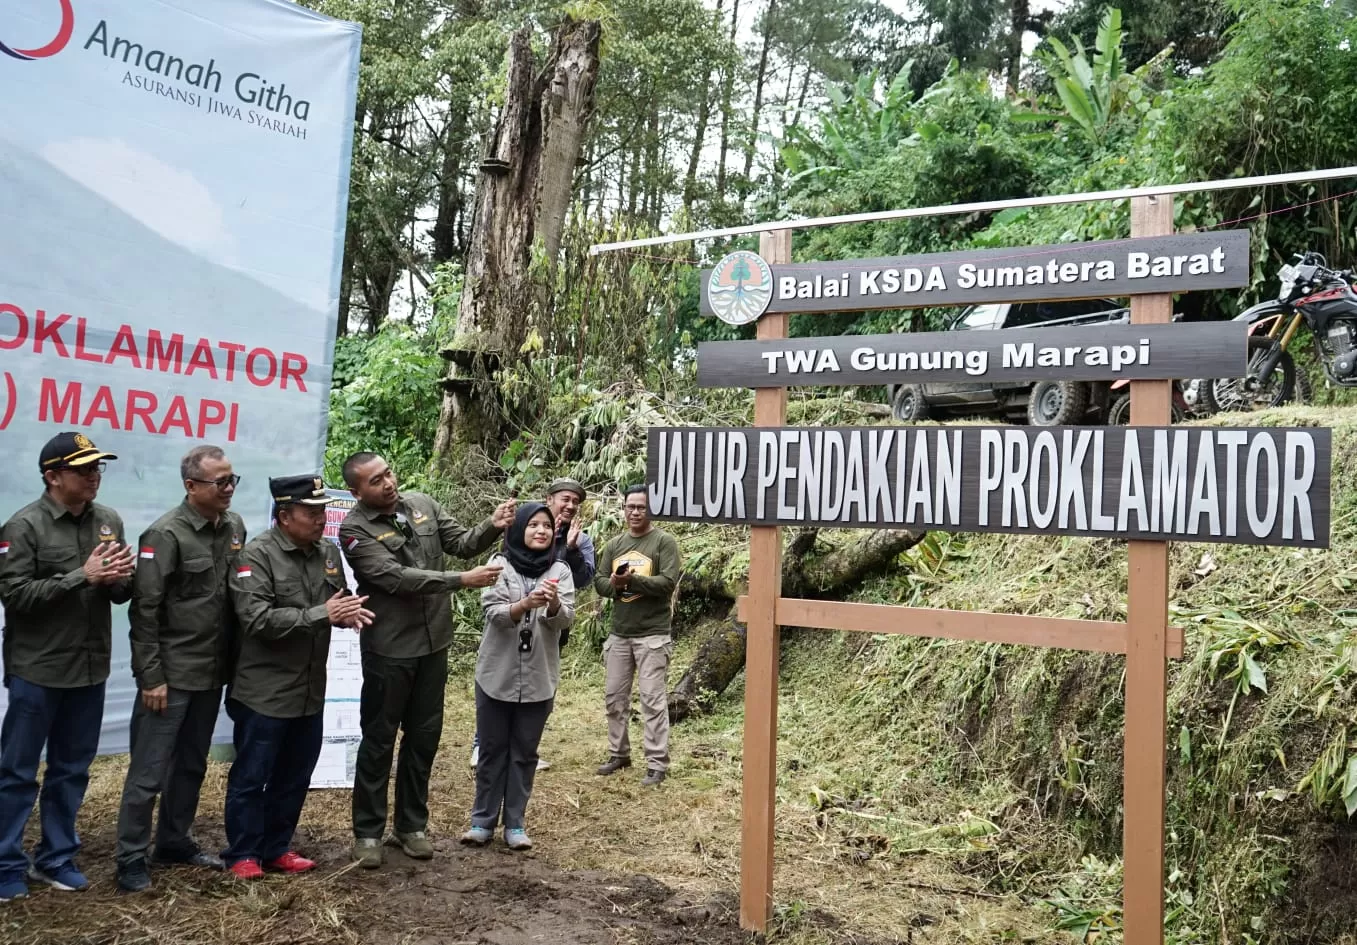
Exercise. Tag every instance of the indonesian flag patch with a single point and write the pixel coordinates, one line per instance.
(243, 571)
(4, 547)
(148, 552)
(351, 543)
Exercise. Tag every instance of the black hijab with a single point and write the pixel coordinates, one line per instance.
(525, 560)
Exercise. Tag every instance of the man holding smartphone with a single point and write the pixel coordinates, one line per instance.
(640, 573)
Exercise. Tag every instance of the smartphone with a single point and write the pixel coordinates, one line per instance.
(622, 568)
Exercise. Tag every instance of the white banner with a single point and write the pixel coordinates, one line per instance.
(173, 192)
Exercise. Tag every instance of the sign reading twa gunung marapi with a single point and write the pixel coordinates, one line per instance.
(742, 286)
(1092, 353)
(1264, 486)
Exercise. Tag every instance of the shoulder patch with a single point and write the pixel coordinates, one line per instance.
(418, 516)
(106, 532)
(331, 567)
(351, 543)
(235, 542)
(147, 552)
(243, 571)
(4, 547)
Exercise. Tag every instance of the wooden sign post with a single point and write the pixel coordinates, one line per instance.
(1162, 483)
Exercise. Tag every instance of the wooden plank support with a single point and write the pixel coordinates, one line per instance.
(1146, 669)
(1095, 636)
(762, 649)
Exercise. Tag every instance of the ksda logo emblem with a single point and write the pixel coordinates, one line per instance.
(105, 532)
(83, 442)
(740, 288)
(57, 44)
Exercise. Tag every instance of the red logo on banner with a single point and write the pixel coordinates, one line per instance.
(55, 46)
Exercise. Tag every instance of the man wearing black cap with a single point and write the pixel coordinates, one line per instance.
(395, 542)
(182, 631)
(288, 589)
(63, 562)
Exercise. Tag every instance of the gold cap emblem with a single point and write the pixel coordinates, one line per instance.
(320, 485)
(83, 442)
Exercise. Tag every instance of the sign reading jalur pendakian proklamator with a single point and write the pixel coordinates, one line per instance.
(742, 286)
(1092, 353)
(1252, 486)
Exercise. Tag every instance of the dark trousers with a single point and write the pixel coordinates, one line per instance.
(405, 696)
(268, 782)
(66, 722)
(510, 733)
(169, 758)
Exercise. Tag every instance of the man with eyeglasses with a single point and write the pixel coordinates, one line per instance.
(640, 573)
(395, 542)
(63, 563)
(182, 633)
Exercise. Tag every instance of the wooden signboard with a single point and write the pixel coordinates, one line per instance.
(1068, 353)
(1149, 484)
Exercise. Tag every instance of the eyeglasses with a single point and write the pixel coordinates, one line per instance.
(224, 483)
(633, 508)
(88, 471)
(525, 640)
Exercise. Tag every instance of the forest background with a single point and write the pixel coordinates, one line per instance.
(736, 111)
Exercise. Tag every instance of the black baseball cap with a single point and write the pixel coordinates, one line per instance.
(299, 490)
(70, 449)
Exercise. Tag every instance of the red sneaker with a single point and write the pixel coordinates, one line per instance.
(290, 862)
(246, 869)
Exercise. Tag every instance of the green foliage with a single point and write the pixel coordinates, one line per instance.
(385, 398)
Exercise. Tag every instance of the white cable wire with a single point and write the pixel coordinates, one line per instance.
(1157, 190)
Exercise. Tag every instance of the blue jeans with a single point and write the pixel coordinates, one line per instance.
(67, 723)
(268, 782)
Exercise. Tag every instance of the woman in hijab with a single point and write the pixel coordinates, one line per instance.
(517, 671)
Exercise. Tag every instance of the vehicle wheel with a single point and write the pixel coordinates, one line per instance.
(1119, 414)
(1236, 393)
(1055, 403)
(908, 404)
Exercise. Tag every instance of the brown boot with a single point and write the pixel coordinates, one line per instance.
(613, 765)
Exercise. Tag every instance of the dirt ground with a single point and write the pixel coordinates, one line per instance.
(615, 864)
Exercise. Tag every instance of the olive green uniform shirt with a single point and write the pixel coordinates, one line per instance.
(279, 592)
(398, 564)
(58, 626)
(646, 607)
(181, 615)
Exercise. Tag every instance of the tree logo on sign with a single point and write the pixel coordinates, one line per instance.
(740, 288)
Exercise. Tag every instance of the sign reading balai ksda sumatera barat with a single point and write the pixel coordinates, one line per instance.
(744, 286)
(1103, 352)
(1253, 486)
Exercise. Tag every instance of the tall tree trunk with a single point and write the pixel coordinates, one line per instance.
(699, 135)
(760, 79)
(523, 196)
(727, 92)
(1017, 27)
(447, 243)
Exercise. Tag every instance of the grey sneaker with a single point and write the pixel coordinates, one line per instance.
(415, 844)
(478, 836)
(368, 852)
(517, 838)
(653, 778)
(613, 765)
(134, 877)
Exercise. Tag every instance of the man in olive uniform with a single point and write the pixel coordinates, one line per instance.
(395, 544)
(63, 562)
(181, 636)
(288, 589)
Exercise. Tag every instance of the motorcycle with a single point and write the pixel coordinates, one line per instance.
(1310, 293)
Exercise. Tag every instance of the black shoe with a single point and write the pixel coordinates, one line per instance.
(613, 765)
(134, 877)
(199, 858)
(653, 777)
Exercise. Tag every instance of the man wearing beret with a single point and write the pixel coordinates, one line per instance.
(63, 563)
(288, 589)
(182, 632)
(395, 542)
